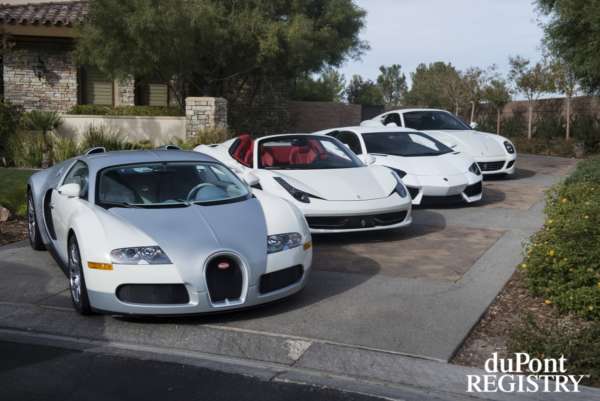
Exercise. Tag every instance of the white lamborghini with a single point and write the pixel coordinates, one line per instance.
(493, 153)
(165, 232)
(429, 168)
(334, 189)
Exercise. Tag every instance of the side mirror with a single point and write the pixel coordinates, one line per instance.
(70, 190)
(251, 179)
(473, 125)
(370, 159)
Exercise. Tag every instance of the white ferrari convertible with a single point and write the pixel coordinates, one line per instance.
(334, 189)
(493, 153)
(429, 168)
(165, 232)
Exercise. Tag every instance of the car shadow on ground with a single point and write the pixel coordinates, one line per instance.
(490, 196)
(311, 294)
(520, 174)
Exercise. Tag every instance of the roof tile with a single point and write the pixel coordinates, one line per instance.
(67, 13)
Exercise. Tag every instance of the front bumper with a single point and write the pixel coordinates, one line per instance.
(497, 165)
(467, 186)
(378, 214)
(103, 285)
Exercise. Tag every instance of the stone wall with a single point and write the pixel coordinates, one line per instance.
(315, 116)
(205, 112)
(40, 79)
(125, 91)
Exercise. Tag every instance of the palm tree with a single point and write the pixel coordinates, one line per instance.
(44, 121)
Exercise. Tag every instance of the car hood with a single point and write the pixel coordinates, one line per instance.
(347, 184)
(442, 165)
(475, 143)
(188, 235)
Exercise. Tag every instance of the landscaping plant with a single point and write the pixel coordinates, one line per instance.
(45, 122)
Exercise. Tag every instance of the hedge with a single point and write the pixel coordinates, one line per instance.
(135, 111)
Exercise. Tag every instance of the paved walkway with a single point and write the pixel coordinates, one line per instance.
(372, 300)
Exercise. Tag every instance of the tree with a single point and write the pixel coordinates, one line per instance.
(364, 92)
(219, 47)
(531, 81)
(474, 80)
(566, 83)
(392, 84)
(497, 93)
(45, 122)
(573, 33)
(328, 87)
(436, 85)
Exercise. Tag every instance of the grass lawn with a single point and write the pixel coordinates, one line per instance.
(13, 186)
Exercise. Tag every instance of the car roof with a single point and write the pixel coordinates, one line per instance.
(368, 129)
(98, 161)
(413, 109)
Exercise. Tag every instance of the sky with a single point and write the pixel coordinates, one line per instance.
(463, 32)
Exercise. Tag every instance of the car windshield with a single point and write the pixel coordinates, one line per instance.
(406, 144)
(168, 184)
(433, 120)
(305, 152)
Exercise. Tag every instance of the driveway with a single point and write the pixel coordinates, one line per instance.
(414, 292)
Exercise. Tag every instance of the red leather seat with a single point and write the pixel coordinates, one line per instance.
(243, 152)
(302, 155)
(267, 159)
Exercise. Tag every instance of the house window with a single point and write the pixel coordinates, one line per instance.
(151, 94)
(97, 88)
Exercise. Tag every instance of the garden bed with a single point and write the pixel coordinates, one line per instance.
(549, 308)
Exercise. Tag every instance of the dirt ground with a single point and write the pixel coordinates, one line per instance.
(13, 231)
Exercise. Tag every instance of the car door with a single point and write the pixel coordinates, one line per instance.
(62, 206)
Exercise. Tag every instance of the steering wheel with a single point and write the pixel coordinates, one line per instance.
(197, 188)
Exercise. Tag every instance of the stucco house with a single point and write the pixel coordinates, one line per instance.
(39, 71)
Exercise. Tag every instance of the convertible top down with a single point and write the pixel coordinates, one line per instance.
(334, 189)
(165, 232)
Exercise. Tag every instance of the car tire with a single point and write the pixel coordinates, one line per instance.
(77, 287)
(33, 230)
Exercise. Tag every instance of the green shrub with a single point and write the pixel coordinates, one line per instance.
(563, 259)
(103, 136)
(146, 111)
(10, 116)
(549, 126)
(25, 149)
(64, 148)
(205, 136)
(586, 129)
(13, 187)
(544, 146)
(580, 346)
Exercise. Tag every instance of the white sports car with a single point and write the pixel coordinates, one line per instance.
(428, 167)
(493, 153)
(165, 232)
(331, 186)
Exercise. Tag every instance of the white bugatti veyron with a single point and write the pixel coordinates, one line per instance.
(428, 167)
(165, 232)
(493, 153)
(334, 189)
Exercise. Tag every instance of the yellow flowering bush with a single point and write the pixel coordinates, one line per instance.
(563, 259)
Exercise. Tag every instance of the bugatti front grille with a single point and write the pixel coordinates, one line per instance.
(354, 222)
(224, 279)
(491, 166)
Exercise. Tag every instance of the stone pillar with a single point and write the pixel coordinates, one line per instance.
(203, 113)
(125, 93)
(40, 79)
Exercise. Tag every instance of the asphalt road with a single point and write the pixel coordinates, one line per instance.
(34, 372)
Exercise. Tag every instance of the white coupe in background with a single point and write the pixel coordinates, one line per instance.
(331, 186)
(493, 153)
(428, 167)
(165, 232)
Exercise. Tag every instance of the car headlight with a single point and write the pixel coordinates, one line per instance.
(400, 189)
(144, 255)
(283, 242)
(401, 173)
(510, 148)
(474, 168)
(299, 195)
